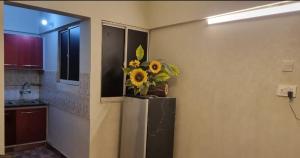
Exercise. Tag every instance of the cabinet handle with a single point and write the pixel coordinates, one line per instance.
(30, 65)
(29, 112)
(10, 64)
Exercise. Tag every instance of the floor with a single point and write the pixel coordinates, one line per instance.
(38, 152)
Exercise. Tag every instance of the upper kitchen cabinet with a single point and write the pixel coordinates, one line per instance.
(10, 49)
(23, 52)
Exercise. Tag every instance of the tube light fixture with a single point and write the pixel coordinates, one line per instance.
(271, 9)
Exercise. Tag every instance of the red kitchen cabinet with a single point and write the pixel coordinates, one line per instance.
(10, 49)
(30, 125)
(25, 125)
(10, 127)
(23, 51)
(37, 53)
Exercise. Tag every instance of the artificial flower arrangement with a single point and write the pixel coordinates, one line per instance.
(149, 76)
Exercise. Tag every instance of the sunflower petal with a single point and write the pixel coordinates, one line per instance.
(138, 77)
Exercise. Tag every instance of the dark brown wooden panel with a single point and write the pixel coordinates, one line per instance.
(10, 127)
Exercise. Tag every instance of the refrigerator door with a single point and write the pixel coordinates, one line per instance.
(134, 128)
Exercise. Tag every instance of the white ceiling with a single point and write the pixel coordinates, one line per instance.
(17, 19)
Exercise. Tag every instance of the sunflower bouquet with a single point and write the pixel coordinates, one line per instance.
(148, 76)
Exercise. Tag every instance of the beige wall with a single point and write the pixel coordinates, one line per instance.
(162, 13)
(227, 107)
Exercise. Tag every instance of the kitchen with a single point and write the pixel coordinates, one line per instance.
(43, 78)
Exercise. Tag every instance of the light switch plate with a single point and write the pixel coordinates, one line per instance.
(288, 65)
(282, 90)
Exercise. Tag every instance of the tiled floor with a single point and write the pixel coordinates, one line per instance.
(38, 152)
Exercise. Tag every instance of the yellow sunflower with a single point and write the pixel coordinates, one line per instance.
(138, 77)
(155, 66)
(134, 63)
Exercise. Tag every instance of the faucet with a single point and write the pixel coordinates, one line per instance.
(26, 88)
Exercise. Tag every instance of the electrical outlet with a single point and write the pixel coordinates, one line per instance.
(282, 90)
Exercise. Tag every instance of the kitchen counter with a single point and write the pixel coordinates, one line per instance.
(24, 103)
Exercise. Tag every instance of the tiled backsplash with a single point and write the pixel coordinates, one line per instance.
(13, 93)
(69, 98)
(14, 79)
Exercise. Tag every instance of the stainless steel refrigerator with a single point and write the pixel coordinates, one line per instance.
(147, 129)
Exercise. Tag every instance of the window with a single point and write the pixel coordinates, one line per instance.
(112, 61)
(118, 48)
(69, 53)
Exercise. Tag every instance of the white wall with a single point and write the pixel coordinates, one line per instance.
(67, 132)
(226, 95)
(50, 46)
(162, 13)
(51, 49)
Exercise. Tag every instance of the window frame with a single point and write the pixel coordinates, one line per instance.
(126, 28)
(64, 81)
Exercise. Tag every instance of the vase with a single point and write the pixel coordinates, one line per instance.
(160, 90)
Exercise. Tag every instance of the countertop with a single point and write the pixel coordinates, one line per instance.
(24, 103)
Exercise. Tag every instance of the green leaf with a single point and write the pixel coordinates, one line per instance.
(144, 89)
(153, 83)
(139, 52)
(171, 69)
(174, 69)
(161, 77)
(128, 83)
(166, 69)
(136, 91)
(126, 70)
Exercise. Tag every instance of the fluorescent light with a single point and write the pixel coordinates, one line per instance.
(44, 22)
(271, 9)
